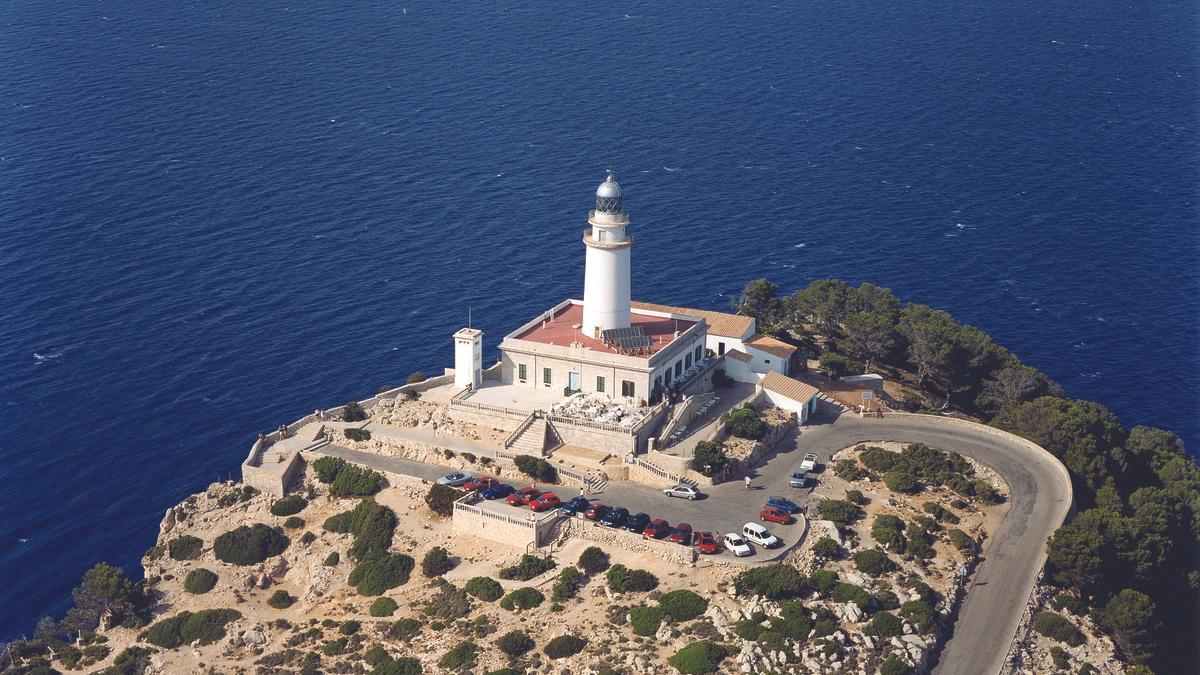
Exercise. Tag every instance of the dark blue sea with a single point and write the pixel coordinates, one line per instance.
(216, 216)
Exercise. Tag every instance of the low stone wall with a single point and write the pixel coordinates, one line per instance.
(273, 479)
(612, 442)
(485, 418)
(684, 556)
(519, 531)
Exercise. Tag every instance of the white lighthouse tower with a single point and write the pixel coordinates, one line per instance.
(606, 274)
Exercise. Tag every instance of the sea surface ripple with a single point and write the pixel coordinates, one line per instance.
(217, 216)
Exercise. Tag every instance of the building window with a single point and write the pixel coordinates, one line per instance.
(600, 384)
(669, 377)
(720, 348)
(687, 361)
(522, 374)
(767, 361)
(627, 389)
(698, 353)
(658, 383)
(546, 376)
(678, 368)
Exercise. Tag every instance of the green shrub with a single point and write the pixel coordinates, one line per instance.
(514, 643)
(778, 582)
(901, 481)
(250, 544)
(415, 377)
(940, 513)
(567, 584)
(887, 600)
(372, 524)
(206, 627)
(380, 572)
(794, 620)
(288, 506)
(837, 365)
(879, 460)
(307, 538)
(130, 661)
(856, 497)
(332, 559)
(437, 561)
(682, 605)
(155, 552)
(1070, 603)
(353, 412)
(356, 481)
(840, 512)
(920, 614)
(709, 457)
(824, 581)
(826, 548)
(450, 602)
(293, 523)
(848, 470)
(199, 581)
(699, 657)
(888, 531)
(563, 646)
(748, 629)
(529, 567)
(461, 656)
(961, 540)
(356, 434)
(1057, 627)
(440, 499)
(185, 547)
(645, 620)
(873, 562)
(593, 560)
(536, 468)
(893, 665)
(922, 589)
(281, 599)
(334, 647)
(404, 629)
(328, 468)
(844, 593)
(383, 606)
(621, 579)
(920, 541)
(349, 627)
(522, 598)
(1061, 661)
(744, 422)
(484, 588)
(884, 625)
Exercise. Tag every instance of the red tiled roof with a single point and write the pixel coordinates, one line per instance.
(719, 323)
(770, 345)
(560, 330)
(786, 386)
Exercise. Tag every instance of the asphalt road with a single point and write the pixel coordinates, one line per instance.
(995, 601)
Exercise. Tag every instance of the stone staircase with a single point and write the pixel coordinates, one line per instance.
(533, 439)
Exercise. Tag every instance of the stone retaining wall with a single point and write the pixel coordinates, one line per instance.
(684, 556)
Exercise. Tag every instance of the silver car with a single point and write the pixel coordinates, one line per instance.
(686, 491)
(456, 479)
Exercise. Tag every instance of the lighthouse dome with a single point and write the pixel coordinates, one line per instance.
(609, 197)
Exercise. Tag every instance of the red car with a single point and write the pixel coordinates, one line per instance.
(523, 496)
(682, 534)
(480, 484)
(774, 515)
(707, 542)
(657, 529)
(546, 500)
(595, 511)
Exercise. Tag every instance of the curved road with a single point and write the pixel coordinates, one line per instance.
(991, 612)
(1040, 501)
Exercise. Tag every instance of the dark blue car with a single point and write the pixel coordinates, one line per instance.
(498, 491)
(783, 504)
(615, 518)
(637, 523)
(574, 506)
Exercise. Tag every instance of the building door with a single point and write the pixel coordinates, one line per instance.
(573, 382)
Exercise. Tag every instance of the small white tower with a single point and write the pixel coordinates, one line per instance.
(606, 272)
(468, 358)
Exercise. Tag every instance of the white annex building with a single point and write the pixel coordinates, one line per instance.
(637, 354)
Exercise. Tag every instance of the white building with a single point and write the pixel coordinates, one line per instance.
(789, 394)
(751, 354)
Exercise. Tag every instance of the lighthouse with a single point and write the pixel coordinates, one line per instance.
(606, 300)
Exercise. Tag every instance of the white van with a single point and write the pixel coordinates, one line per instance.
(759, 535)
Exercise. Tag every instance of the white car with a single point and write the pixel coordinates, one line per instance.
(686, 491)
(759, 535)
(456, 479)
(737, 545)
(809, 462)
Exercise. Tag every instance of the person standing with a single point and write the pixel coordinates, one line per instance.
(747, 481)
